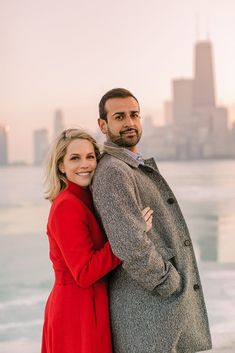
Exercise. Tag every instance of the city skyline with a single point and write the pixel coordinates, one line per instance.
(66, 55)
(196, 127)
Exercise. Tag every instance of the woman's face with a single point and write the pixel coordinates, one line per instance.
(79, 162)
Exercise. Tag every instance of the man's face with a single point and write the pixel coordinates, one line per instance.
(123, 125)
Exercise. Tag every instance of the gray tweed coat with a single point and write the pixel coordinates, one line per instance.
(156, 298)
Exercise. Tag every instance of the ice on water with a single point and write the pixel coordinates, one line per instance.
(206, 193)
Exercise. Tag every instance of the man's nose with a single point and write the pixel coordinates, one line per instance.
(129, 121)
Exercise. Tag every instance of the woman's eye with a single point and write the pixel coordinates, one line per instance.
(74, 158)
(91, 157)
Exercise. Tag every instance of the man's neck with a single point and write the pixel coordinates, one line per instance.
(132, 149)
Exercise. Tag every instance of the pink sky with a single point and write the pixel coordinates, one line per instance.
(67, 53)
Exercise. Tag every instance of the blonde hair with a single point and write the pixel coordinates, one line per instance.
(55, 180)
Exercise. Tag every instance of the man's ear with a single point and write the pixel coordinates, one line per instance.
(103, 126)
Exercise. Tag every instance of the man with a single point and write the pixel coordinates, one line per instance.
(156, 298)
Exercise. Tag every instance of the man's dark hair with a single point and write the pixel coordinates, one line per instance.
(113, 93)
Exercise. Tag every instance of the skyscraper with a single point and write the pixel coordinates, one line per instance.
(168, 112)
(182, 100)
(58, 122)
(200, 126)
(3, 146)
(41, 145)
(204, 88)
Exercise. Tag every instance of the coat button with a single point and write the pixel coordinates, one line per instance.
(170, 200)
(196, 287)
(187, 242)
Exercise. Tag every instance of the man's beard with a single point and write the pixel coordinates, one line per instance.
(122, 141)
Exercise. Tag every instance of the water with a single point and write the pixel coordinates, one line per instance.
(206, 193)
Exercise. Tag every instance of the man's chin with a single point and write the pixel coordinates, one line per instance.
(127, 142)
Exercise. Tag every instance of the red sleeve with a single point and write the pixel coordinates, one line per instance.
(71, 232)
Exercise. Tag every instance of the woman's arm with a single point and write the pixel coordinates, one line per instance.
(72, 234)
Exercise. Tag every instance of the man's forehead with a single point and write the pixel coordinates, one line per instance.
(121, 104)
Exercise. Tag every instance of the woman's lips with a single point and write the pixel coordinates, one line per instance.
(83, 174)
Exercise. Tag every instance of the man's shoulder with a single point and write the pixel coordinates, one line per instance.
(111, 168)
(111, 162)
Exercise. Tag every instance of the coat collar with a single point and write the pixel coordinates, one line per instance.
(120, 153)
(83, 194)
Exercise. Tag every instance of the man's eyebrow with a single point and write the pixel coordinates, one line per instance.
(122, 113)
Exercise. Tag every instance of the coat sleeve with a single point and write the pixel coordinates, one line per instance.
(71, 232)
(125, 227)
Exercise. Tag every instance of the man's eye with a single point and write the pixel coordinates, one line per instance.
(119, 117)
(135, 115)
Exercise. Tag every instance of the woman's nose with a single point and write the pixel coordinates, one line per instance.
(84, 164)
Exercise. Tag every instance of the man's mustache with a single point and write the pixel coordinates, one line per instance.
(128, 130)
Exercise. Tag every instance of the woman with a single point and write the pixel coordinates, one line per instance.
(77, 313)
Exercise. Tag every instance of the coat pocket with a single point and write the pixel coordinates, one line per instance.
(175, 284)
(168, 254)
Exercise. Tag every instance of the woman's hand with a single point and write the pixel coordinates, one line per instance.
(147, 214)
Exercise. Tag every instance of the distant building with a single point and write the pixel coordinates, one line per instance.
(168, 113)
(183, 90)
(148, 125)
(58, 122)
(211, 121)
(195, 127)
(3, 146)
(149, 136)
(204, 87)
(41, 145)
(157, 141)
(233, 132)
(217, 143)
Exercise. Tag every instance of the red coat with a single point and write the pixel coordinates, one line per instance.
(77, 310)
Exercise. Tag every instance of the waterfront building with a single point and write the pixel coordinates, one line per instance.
(182, 90)
(41, 145)
(168, 113)
(58, 122)
(204, 86)
(200, 127)
(3, 146)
